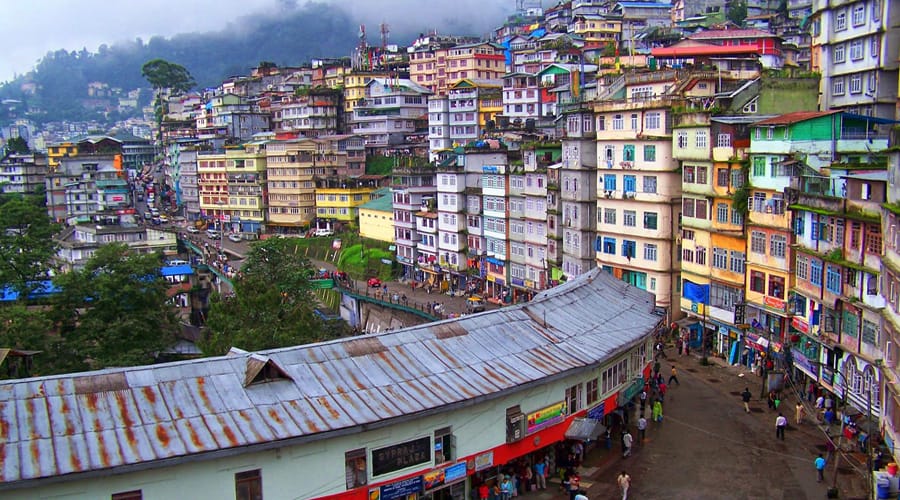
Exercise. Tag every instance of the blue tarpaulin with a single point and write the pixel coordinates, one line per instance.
(695, 292)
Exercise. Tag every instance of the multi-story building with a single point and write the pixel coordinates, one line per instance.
(639, 192)
(636, 17)
(376, 217)
(232, 186)
(23, 173)
(230, 118)
(890, 292)
(576, 192)
(355, 84)
(596, 30)
(342, 154)
(464, 114)
(313, 112)
(438, 125)
(521, 98)
(790, 154)
(391, 110)
(528, 231)
(437, 64)
(181, 161)
(413, 190)
(78, 243)
(291, 168)
(136, 152)
(855, 46)
(85, 186)
(58, 151)
(338, 199)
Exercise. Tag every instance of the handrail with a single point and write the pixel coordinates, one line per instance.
(408, 306)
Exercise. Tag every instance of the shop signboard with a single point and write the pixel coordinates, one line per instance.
(774, 303)
(484, 461)
(799, 324)
(518, 281)
(803, 363)
(597, 412)
(401, 489)
(400, 456)
(545, 417)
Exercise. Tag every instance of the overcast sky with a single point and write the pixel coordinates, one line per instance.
(31, 28)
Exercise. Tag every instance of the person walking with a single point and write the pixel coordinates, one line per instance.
(745, 396)
(780, 424)
(642, 427)
(540, 475)
(820, 468)
(627, 441)
(624, 482)
(657, 414)
(811, 392)
(798, 413)
(674, 376)
(506, 488)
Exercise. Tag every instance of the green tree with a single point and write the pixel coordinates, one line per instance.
(27, 246)
(162, 74)
(737, 12)
(17, 145)
(272, 304)
(27, 328)
(114, 311)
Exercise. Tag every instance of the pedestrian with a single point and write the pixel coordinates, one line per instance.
(820, 468)
(506, 488)
(674, 376)
(574, 486)
(540, 475)
(662, 391)
(798, 413)
(624, 482)
(771, 400)
(657, 413)
(745, 396)
(820, 402)
(627, 441)
(642, 427)
(643, 398)
(829, 419)
(578, 451)
(661, 350)
(608, 438)
(780, 424)
(484, 492)
(811, 392)
(678, 345)
(656, 367)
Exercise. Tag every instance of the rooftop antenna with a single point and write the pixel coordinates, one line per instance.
(385, 30)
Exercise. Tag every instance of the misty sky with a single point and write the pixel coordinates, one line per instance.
(31, 28)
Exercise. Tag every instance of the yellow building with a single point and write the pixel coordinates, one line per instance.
(338, 198)
(376, 218)
(355, 83)
(439, 69)
(597, 29)
(231, 188)
(57, 152)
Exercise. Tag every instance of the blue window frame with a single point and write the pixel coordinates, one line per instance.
(630, 183)
(815, 272)
(609, 182)
(800, 224)
(628, 248)
(833, 279)
(609, 246)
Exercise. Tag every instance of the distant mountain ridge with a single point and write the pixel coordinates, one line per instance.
(290, 37)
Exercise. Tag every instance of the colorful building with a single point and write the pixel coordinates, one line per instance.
(376, 217)
(338, 199)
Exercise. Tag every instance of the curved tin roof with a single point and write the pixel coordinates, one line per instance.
(88, 422)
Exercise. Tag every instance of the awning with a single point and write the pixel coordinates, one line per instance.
(585, 429)
(686, 322)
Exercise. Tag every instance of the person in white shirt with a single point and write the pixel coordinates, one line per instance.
(642, 427)
(780, 424)
(624, 482)
(627, 441)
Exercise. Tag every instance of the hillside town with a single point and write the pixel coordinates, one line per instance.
(745, 175)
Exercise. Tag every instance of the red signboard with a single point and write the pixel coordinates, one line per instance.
(774, 303)
(799, 324)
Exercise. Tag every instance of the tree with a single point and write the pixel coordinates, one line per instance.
(272, 304)
(17, 145)
(114, 311)
(27, 246)
(27, 328)
(737, 12)
(162, 74)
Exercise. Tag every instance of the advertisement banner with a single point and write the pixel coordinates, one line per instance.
(546, 417)
(400, 489)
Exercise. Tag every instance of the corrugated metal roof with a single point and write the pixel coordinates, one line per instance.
(99, 420)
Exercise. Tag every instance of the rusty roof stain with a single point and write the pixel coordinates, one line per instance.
(68, 424)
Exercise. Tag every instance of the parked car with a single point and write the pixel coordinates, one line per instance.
(212, 234)
(324, 232)
(474, 304)
(374, 282)
(193, 230)
(234, 237)
(163, 218)
(177, 262)
(147, 216)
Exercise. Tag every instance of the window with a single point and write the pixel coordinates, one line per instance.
(609, 182)
(723, 141)
(870, 332)
(737, 218)
(776, 286)
(700, 255)
(722, 177)
(738, 260)
(871, 284)
(618, 122)
(800, 225)
(702, 175)
(837, 86)
(248, 485)
(720, 258)
(682, 140)
(650, 220)
(833, 279)
(609, 215)
(634, 121)
(722, 213)
(609, 246)
(850, 324)
(856, 84)
(629, 218)
(628, 152)
(650, 252)
(839, 55)
(687, 207)
(702, 140)
(652, 120)
(737, 178)
(649, 183)
(857, 50)
(628, 248)
(777, 246)
(757, 282)
(629, 183)
(802, 269)
(591, 393)
(444, 445)
(840, 21)
(688, 174)
(859, 14)
(815, 272)
(759, 165)
(758, 242)
(650, 153)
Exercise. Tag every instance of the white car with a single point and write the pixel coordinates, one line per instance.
(324, 232)
(192, 230)
(234, 237)
(212, 234)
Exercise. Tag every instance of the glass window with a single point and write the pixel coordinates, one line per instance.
(777, 246)
(859, 14)
(815, 272)
(839, 54)
(833, 279)
(776, 286)
(720, 258)
(650, 153)
(629, 218)
(609, 182)
(722, 213)
(652, 120)
(609, 215)
(738, 260)
(650, 220)
(650, 252)
(802, 268)
(757, 282)
(758, 242)
(649, 183)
